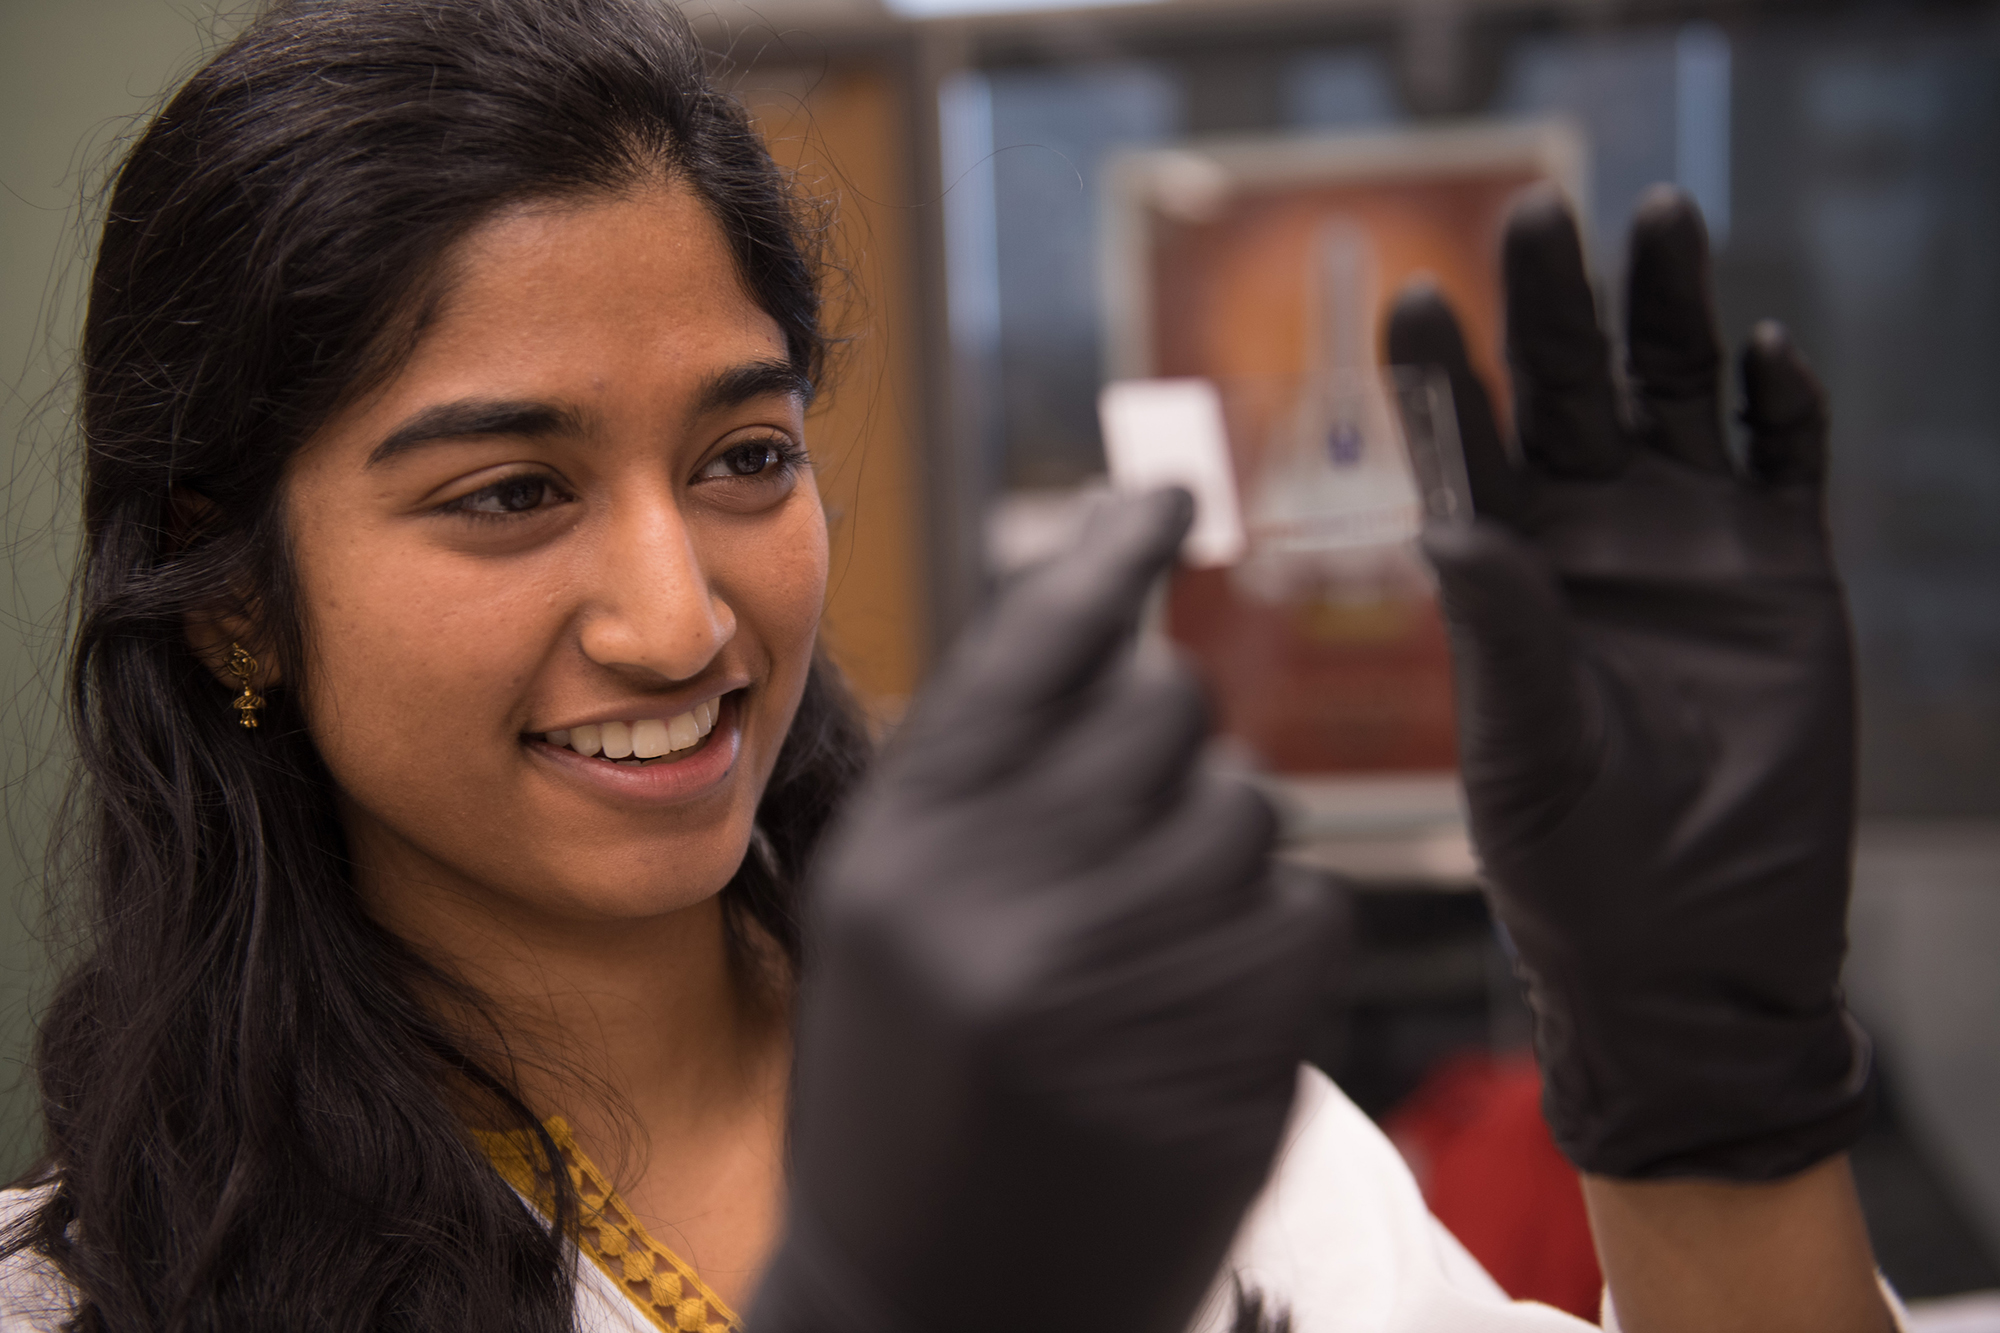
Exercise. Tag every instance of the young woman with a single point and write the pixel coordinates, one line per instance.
(453, 749)
(446, 639)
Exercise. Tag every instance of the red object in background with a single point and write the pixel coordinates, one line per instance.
(1314, 687)
(1473, 1133)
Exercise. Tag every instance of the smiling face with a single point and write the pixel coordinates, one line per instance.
(561, 575)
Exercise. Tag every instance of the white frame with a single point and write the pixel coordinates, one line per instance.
(1203, 174)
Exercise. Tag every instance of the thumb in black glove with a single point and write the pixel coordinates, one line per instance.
(1656, 712)
(1055, 999)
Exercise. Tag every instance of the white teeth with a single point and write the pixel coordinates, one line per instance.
(647, 738)
(652, 738)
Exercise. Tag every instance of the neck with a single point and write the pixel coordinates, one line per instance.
(621, 1025)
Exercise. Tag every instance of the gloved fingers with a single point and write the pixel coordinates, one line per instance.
(1785, 409)
(1565, 406)
(1116, 766)
(1142, 959)
(1282, 946)
(1424, 331)
(1217, 1016)
(1011, 680)
(1196, 866)
(1069, 813)
(1512, 648)
(1675, 357)
(1057, 627)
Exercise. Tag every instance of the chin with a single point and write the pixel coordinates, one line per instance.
(635, 889)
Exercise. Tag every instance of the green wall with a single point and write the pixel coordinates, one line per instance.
(76, 78)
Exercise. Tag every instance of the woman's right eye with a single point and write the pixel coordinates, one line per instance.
(521, 494)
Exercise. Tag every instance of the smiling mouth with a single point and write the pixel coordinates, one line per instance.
(642, 741)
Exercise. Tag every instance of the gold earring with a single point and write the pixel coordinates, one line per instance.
(243, 667)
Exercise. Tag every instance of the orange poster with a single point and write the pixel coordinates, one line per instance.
(1261, 265)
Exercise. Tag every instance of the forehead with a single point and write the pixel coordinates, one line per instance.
(623, 311)
(604, 283)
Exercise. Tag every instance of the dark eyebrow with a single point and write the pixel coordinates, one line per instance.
(486, 416)
(476, 416)
(755, 379)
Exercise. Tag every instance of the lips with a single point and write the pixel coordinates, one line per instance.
(695, 770)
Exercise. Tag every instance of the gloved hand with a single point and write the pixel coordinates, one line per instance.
(1656, 712)
(1054, 998)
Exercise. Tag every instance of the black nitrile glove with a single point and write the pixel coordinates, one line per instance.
(1656, 713)
(1055, 1000)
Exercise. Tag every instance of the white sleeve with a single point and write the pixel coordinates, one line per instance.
(1340, 1238)
(33, 1296)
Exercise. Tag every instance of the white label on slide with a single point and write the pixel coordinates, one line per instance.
(1170, 433)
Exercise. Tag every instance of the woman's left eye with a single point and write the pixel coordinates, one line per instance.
(753, 458)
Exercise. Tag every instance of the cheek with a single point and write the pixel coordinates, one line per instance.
(796, 593)
(410, 653)
(774, 578)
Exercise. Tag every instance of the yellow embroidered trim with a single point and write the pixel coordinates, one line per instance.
(665, 1289)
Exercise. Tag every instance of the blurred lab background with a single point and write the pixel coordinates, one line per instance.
(1031, 199)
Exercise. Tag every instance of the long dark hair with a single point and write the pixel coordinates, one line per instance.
(253, 1123)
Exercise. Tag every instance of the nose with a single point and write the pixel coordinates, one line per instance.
(654, 615)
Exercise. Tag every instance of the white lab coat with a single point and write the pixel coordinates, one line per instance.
(1340, 1238)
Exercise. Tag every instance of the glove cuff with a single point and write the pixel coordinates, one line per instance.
(1775, 1155)
(1638, 1096)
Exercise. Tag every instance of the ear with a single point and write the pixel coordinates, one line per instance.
(212, 633)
